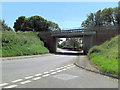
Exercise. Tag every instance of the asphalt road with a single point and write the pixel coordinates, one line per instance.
(52, 71)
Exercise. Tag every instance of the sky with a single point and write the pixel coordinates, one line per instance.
(65, 14)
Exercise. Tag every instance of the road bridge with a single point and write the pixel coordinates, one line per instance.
(90, 37)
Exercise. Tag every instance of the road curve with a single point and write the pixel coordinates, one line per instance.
(52, 71)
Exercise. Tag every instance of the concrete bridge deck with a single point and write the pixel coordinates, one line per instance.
(72, 33)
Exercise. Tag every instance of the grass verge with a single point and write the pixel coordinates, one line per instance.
(105, 56)
(21, 43)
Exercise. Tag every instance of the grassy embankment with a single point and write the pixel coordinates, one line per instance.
(21, 43)
(105, 56)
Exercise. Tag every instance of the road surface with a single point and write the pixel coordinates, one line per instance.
(52, 71)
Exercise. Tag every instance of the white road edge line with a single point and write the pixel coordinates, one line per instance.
(36, 78)
(28, 77)
(11, 86)
(25, 82)
(3, 84)
(17, 80)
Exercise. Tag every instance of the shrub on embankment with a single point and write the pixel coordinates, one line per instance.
(21, 43)
(105, 56)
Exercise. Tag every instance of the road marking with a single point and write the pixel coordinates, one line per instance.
(65, 66)
(53, 73)
(28, 77)
(17, 80)
(25, 82)
(59, 70)
(52, 70)
(64, 69)
(68, 65)
(61, 67)
(46, 72)
(38, 74)
(3, 84)
(11, 86)
(36, 78)
(46, 75)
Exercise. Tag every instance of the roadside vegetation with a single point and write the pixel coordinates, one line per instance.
(21, 43)
(24, 40)
(103, 18)
(105, 56)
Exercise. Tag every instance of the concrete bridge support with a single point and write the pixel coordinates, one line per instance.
(87, 43)
(50, 42)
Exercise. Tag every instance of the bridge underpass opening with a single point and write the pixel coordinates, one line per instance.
(70, 46)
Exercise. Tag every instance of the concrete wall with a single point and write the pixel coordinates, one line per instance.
(87, 43)
(50, 42)
(103, 35)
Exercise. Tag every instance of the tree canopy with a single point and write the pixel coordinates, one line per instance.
(105, 17)
(34, 23)
(4, 26)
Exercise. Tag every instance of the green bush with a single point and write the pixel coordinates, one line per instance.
(21, 43)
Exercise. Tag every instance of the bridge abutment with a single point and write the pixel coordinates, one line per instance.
(87, 43)
(50, 42)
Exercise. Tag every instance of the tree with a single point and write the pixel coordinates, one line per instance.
(98, 18)
(34, 23)
(116, 13)
(108, 17)
(4, 27)
(105, 17)
(74, 42)
(53, 26)
(18, 24)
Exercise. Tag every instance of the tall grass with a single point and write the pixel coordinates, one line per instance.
(21, 43)
(105, 56)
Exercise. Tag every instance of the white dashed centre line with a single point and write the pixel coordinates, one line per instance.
(65, 66)
(25, 82)
(53, 73)
(36, 78)
(64, 69)
(59, 70)
(52, 70)
(3, 84)
(11, 86)
(46, 75)
(28, 77)
(17, 80)
(38, 74)
(61, 67)
(46, 72)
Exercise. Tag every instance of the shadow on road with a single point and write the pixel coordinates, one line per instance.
(68, 53)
